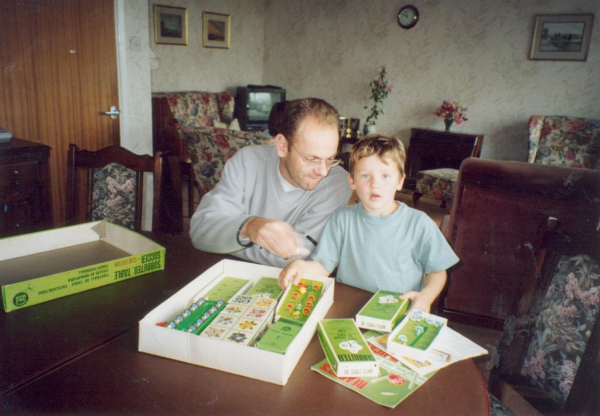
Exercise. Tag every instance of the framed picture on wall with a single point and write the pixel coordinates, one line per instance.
(562, 37)
(170, 25)
(216, 30)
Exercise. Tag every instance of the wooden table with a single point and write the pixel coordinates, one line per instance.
(79, 355)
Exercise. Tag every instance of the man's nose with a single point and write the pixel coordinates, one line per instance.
(322, 169)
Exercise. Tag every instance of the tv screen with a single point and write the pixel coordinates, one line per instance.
(260, 104)
(253, 105)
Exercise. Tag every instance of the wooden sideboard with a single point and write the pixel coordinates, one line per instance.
(24, 187)
(430, 149)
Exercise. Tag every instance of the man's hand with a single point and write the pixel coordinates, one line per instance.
(277, 237)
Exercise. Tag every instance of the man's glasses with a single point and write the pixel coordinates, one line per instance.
(315, 161)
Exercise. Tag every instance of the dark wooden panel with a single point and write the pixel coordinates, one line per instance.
(429, 149)
(59, 77)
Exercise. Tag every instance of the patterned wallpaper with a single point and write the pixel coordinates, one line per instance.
(474, 51)
(193, 67)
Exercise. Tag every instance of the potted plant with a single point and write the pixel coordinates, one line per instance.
(451, 112)
(380, 89)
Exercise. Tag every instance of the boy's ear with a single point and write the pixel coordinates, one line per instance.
(399, 188)
(351, 182)
(282, 145)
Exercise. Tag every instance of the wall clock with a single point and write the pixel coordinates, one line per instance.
(408, 16)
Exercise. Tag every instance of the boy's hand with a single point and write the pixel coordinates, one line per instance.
(291, 274)
(419, 301)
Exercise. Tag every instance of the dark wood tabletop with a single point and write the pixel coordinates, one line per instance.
(79, 354)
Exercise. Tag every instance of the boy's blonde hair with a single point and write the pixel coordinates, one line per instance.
(380, 145)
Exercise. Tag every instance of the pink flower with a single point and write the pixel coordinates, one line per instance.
(570, 154)
(206, 120)
(534, 367)
(225, 98)
(205, 98)
(230, 154)
(574, 125)
(546, 130)
(590, 297)
(534, 121)
(207, 156)
(221, 141)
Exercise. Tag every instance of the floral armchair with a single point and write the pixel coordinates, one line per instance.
(199, 128)
(550, 355)
(564, 141)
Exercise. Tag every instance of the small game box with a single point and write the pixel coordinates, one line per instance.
(346, 349)
(230, 357)
(383, 311)
(48, 265)
(413, 337)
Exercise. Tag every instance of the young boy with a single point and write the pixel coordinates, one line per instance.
(380, 243)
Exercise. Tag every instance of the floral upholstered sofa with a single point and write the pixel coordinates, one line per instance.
(199, 127)
(564, 141)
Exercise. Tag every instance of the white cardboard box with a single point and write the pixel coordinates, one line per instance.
(414, 337)
(236, 359)
(47, 265)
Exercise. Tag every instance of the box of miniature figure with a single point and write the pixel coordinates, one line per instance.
(206, 339)
(346, 349)
(383, 311)
(47, 265)
(414, 336)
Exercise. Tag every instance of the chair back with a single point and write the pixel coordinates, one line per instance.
(564, 141)
(497, 226)
(108, 184)
(549, 352)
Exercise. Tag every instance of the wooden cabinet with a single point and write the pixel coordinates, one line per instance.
(430, 149)
(24, 187)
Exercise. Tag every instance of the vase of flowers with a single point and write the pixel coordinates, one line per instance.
(451, 112)
(380, 89)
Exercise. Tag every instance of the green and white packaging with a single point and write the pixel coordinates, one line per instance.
(383, 311)
(47, 265)
(415, 335)
(279, 336)
(346, 349)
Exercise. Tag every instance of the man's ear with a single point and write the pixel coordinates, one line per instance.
(282, 145)
(399, 188)
(351, 182)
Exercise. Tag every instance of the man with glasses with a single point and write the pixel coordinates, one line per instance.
(272, 202)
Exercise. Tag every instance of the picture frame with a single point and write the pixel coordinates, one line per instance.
(561, 37)
(170, 25)
(216, 30)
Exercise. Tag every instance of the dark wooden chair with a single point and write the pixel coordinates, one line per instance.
(108, 184)
(433, 161)
(549, 352)
(497, 227)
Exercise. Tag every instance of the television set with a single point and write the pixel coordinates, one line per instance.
(253, 105)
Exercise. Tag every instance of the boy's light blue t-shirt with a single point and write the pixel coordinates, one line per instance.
(392, 252)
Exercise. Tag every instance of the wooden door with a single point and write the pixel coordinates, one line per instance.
(59, 76)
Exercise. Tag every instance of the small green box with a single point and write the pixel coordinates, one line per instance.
(415, 335)
(346, 349)
(279, 336)
(47, 265)
(383, 311)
